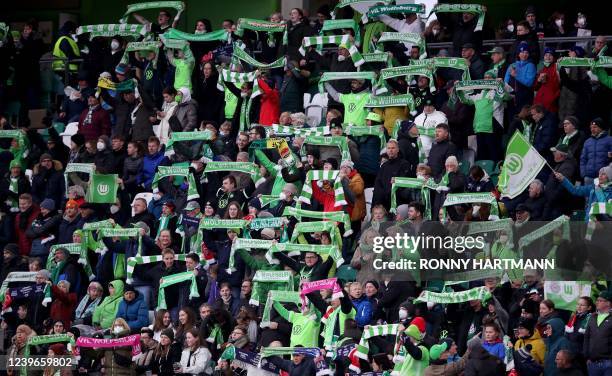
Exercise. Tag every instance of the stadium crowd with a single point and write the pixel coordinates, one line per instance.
(251, 167)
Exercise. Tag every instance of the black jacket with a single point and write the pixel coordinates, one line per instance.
(23, 186)
(481, 363)
(66, 229)
(210, 99)
(557, 197)
(394, 294)
(437, 156)
(382, 185)
(295, 36)
(48, 184)
(306, 367)
(597, 343)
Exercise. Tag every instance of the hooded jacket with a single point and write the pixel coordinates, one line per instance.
(105, 313)
(149, 167)
(595, 154)
(556, 342)
(538, 348)
(135, 313)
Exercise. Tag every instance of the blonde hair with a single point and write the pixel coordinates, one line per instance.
(121, 321)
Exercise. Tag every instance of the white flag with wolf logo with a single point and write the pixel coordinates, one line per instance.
(565, 294)
(521, 166)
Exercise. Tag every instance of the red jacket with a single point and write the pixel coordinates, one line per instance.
(547, 93)
(270, 104)
(63, 305)
(100, 124)
(326, 198)
(25, 243)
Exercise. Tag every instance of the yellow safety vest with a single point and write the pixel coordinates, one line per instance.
(58, 65)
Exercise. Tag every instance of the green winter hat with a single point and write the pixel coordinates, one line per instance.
(413, 331)
(436, 350)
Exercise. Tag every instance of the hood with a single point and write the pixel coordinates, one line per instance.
(118, 285)
(558, 327)
(186, 95)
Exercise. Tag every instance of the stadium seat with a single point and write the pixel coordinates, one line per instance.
(487, 165)
(71, 129)
(315, 108)
(148, 196)
(346, 273)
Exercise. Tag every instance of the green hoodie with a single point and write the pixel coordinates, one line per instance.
(105, 313)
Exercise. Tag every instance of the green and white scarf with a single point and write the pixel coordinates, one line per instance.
(379, 10)
(241, 54)
(376, 101)
(469, 198)
(370, 331)
(321, 226)
(190, 136)
(261, 223)
(329, 25)
(569, 62)
(462, 8)
(597, 208)
(497, 87)
(412, 38)
(265, 281)
(110, 30)
(294, 249)
(84, 168)
(344, 40)
(281, 296)
(338, 141)
(119, 267)
(378, 57)
(249, 168)
(366, 130)
(477, 293)
(560, 222)
(140, 260)
(261, 25)
(172, 280)
(74, 249)
(337, 216)
(505, 225)
(44, 340)
(247, 244)
(167, 171)
(241, 78)
(282, 130)
(450, 62)
(88, 228)
(413, 183)
(141, 46)
(179, 6)
(219, 35)
(334, 76)
(345, 3)
(313, 175)
(214, 223)
(405, 71)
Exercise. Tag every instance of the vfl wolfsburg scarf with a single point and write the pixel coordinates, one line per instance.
(597, 208)
(22, 277)
(242, 243)
(280, 351)
(323, 284)
(260, 223)
(293, 249)
(139, 260)
(172, 280)
(338, 141)
(119, 266)
(366, 130)
(412, 38)
(505, 225)
(87, 238)
(249, 361)
(282, 130)
(379, 10)
(560, 222)
(344, 40)
(44, 340)
(568, 62)
(213, 223)
(462, 8)
(413, 183)
(344, 3)
(363, 348)
(446, 62)
(310, 227)
(334, 76)
(105, 343)
(392, 101)
(110, 30)
(337, 216)
(265, 281)
(166, 171)
(190, 136)
(496, 86)
(405, 71)
(378, 57)
(141, 46)
(241, 78)
(343, 24)
(74, 249)
(240, 54)
(219, 35)
(468, 198)
(477, 293)
(179, 6)
(261, 25)
(245, 167)
(318, 175)
(281, 296)
(84, 168)
(280, 144)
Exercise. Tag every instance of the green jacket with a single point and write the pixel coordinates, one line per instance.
(105, 313)
(603, 77)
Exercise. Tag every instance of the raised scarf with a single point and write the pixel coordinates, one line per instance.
(172, 280)
(269, 280)
(167, 171)
(330, 25)
(462, 8)
(318, 175)
(337, 216)
(179, 6)
(132, 341)
(141, 260)
(339, 40)
(110, 30)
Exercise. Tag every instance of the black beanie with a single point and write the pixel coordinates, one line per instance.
(78, 139)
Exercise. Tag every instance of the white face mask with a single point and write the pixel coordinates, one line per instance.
(581, 21)
(200, 32)
(430, 305)
(510, 28)
(156, 196)
(194, 165)
(243, 94)
(223, 133)
(559, 22)
(117, 329)
(100, 146)
(403, 314)
(475, 210)
(341, 57)
(282, 196)
(420, 176)
(114, 45)
(114, 209)
(435, 31)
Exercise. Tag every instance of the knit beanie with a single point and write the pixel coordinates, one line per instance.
(168, 333)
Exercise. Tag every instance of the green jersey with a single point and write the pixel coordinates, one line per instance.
(354, 108)
(231, 101)
(413, 367)
(304, 327)
(182, 75)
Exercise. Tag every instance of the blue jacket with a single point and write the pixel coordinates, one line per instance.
(525, 73)
(593, 194)
(556, 342)
(545, 135)
(149, 167)
(155, 206)
(363, 306)
(369, 155)
(595, 154)
(495, 348)
(136, 312)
